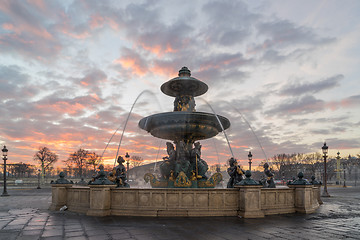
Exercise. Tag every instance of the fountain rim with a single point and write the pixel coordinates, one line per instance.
(182, 114)
(202, 87)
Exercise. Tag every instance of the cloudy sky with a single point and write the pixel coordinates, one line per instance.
(286, 74)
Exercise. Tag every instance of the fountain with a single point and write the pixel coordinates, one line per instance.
(184, 127)
(183, 189)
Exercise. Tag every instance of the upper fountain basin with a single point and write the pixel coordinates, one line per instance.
(177, 126)
(184, 85)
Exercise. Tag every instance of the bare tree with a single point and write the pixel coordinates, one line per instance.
(93, 160)
(136, 161)
(82, 159)
(79, 159)
(46, 158)
(284, 165)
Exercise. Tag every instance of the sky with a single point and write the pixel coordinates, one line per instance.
(285, 73)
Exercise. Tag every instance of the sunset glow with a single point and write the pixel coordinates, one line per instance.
(284, 74)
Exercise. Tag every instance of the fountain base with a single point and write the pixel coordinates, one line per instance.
(250, 201)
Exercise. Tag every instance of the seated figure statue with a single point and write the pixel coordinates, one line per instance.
(97, 174)
(235, 172)
(169, 162)
(269, 181)
(120, 173)
(182, 163)
(198, 165)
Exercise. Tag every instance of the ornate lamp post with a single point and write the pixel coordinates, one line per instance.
(338, 170)
(344, 166)
(127, 156)
(250, 158)
(357, 163)
(325, 151)
(4, 150)
(38, 187)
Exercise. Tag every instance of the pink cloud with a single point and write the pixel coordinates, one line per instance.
(63, 107)
(22, 24)
(132, 63)
(344, 103)
(167, 71)
(40, 4)
(69, 32)
(96, 21)
(158, 50)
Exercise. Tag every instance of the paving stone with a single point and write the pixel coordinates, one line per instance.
(3, 223)
(96, 233)
(52, 232)
(77, 238)
(9, 235)
(122, 235)
(51, 238)
(9, 227)
(103, 238)
(54, 228)
(34, 227)
(54, 223)
(32, 223)
(19, 221)
(27, 237)
(74, 234)
(31, 232)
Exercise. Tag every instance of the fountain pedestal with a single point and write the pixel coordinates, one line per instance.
(306, 198)
(100, 200)
(59, 196)
(250, 201)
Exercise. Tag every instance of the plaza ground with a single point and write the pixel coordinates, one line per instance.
(25, 215)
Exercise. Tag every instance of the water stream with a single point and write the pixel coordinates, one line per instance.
(157, 155)
(252, 130)
(125, 124)
(217, 153)
(128, 116)
(222, 128)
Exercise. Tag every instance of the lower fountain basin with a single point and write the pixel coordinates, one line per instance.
(178, 126)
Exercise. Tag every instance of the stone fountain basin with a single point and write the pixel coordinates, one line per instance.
(178, 126)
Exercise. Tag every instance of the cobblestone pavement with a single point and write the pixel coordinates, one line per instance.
(24, 215)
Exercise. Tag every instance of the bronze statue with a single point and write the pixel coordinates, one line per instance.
(97, 175)
(182, 163)
(169, 162)
(197, 164)
(61, 180)
(120, 173)
(100, 178)
(235, 173)
(269, 177)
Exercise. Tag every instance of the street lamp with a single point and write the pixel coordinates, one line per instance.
(325, 151)
(344, 165)
(127, 156)
(250, 158)
(338, 170)
(38, 187)
(4, 150)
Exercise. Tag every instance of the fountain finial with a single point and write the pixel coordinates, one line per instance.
(184, 72)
